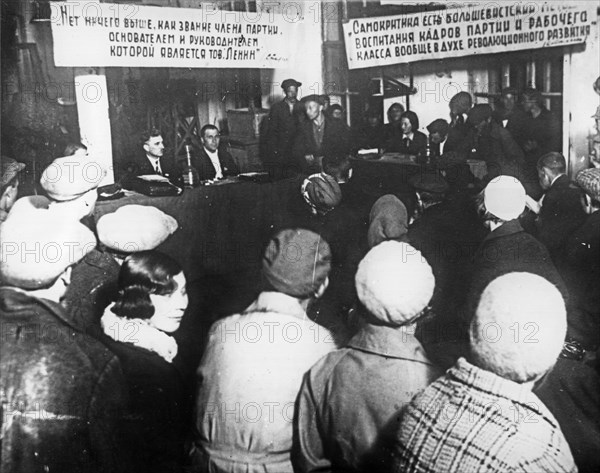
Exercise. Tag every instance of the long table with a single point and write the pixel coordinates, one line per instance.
(222, 228)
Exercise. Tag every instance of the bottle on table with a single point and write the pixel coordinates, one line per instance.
(189, 175)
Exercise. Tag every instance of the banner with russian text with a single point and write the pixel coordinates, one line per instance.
(484, 28)
(88, 33)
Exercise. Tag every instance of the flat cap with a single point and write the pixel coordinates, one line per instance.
(322, 192)
(34, 250)
(289, 82)
(134, 228)
(69, 177)
(461, 102)
(314, 98)
(589, 181)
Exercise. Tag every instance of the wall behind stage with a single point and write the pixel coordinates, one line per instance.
(308, 52)
(583, 101)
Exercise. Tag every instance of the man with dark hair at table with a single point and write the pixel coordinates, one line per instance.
(319, 136)
(213, 162)
(152, 161)
(561, 212)
(281, 128)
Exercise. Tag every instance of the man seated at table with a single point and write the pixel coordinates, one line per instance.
(213, 162)
(319, 136)
(152, 161)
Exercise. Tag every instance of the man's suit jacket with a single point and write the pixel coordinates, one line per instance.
(205, 168)
(336, 141)
(141, 166)
(561, 214)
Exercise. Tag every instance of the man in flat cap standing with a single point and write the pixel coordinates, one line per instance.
(61, 390)
(252, 368)
(319, 136)
(282, 127)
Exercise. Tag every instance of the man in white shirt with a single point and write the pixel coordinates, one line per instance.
(212, 162)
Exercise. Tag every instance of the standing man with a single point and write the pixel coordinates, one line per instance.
(282, 127)
(544, 131)
(153, 161)
(213, 162)
(561, 212)
(319, 136)
(511, 117)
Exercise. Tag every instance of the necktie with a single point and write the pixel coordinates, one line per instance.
(406, 143)
(157, 169)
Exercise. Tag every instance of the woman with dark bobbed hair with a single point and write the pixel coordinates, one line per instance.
(150, 304)
(411, 141)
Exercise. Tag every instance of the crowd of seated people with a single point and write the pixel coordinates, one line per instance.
(455, 329)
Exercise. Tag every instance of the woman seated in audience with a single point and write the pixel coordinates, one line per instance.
(411, 141)
(151, 302)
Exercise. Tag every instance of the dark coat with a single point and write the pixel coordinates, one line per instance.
(581, 267)
(517, 122)
(141, 166)
(561, 214)
(501, 152)
(281, 130)
(368, 137)
(417, 145)
(65, 389)
(571, 391)
(506, 249)
(336, 140)
(152, 426)
(546, 133)
(93, 284)
(205, 168)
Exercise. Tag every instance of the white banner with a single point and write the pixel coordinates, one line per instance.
(88, 33)
(475, 29)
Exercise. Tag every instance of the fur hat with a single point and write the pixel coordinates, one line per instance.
(519, 327)
(504, 197)
(134, 228)
(34, 250)
(69, 177)
(394, 282)
(296, 262)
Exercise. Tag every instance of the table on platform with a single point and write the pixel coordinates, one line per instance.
(222, 228)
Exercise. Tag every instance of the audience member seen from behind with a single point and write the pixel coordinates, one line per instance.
(70, 381)
(138, 327)
(252, 369)
(507, 248)
(9, 184)
(388, 220)
(352, 395)
(482, 415)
